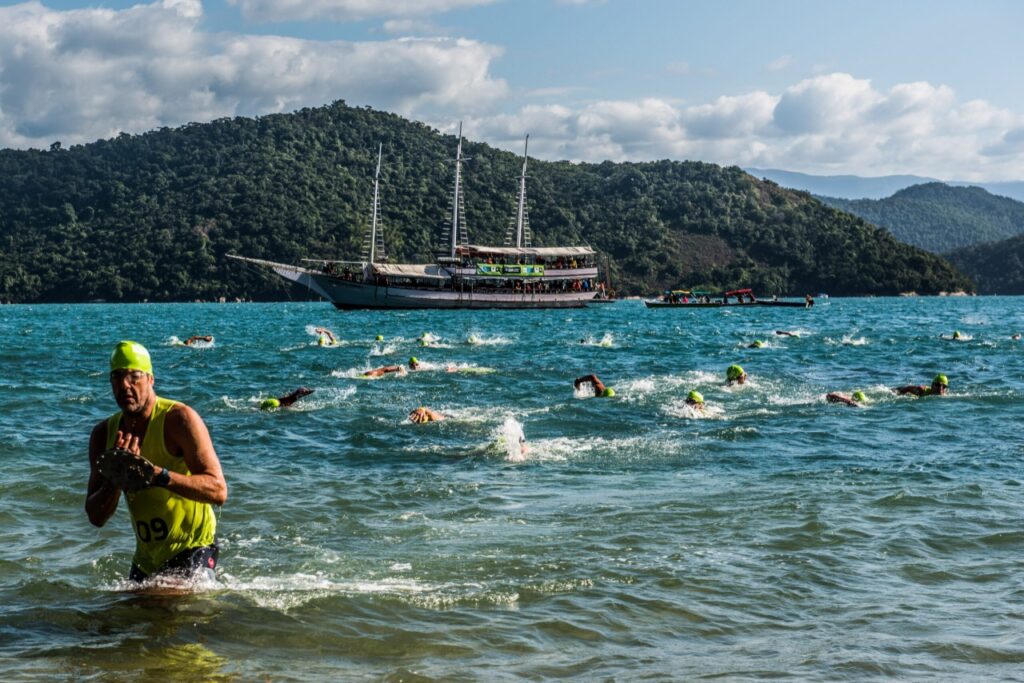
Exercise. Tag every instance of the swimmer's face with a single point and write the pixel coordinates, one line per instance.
(939, 389)
(132, 390)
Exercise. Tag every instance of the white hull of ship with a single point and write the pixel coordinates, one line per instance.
(349, 294)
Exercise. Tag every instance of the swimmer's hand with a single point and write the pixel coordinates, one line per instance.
(124, 467)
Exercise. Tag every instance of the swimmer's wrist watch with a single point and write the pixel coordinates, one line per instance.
(162, 479)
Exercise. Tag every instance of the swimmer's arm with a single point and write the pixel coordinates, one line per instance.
(186, 435)
(914, 389)
(102, 497)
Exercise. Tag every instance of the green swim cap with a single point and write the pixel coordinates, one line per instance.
(733, 372)
(695, 396)
(380, 337)
(414, 360)
(956, 335)
(129, 355)
(758, 344)
(941, 379)
(270, 404)
(859, 396)
(608, 392)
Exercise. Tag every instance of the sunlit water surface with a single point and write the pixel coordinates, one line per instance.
(775, 535)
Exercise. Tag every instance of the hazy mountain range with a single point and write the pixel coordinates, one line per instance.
(859, 187)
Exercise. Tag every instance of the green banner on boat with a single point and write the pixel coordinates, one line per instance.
(509, 270)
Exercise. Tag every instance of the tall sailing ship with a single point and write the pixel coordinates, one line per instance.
(464, 275)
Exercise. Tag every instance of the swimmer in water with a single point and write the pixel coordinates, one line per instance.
(326, 337)
(1016, 337)
(734, 374)
(198, 338)
(956, 336)
(600, 390)
(695, 400)
(423, 414)
(414, 364)
(756, 344)
(286, 400)
(855, 400)
(783, 333)
(473, 339)
(939, 387)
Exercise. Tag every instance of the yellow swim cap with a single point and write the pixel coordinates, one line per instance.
(941, 379)
(733, 372)
(380, 337)
(859, 396)
(608, 392)
(696, 397)
(270, 404)
(129, 355)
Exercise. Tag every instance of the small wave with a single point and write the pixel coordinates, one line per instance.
(606, 341)
(684, 410)
(509, 439)
(847, 340)
(198, 344)
(380, 349)
(479, 340)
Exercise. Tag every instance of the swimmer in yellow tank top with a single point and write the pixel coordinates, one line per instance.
(172, 514)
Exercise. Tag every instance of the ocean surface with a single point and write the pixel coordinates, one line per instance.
(775, 536)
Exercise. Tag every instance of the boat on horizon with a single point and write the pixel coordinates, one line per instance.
(464, 275)
(687, 298)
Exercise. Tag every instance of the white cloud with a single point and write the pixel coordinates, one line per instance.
(833, 123)
(412, 27)
(346, 10)
(85, 74)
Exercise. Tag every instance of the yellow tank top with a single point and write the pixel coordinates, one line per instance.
(165, 523)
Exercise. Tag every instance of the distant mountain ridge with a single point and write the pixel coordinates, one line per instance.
(940, 218)
(860, 187)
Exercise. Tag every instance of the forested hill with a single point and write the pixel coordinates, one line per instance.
(152, 216)
(997, 267)
(940, 218)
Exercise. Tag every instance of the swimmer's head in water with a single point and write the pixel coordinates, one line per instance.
(956, 334)
(129, 355)
(757, 344)
(940, 383)
(270, 404)
(695, 397)
(607, 393)
(414, 362)
(380, 337)
(859, 397)
(734, 373)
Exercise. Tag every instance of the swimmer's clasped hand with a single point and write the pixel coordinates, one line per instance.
(125, 469)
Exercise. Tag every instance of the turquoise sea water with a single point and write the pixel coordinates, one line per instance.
(776, 536)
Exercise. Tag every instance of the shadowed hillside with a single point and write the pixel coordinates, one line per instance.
(152, 216)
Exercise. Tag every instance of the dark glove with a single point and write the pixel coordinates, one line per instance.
(125, 469)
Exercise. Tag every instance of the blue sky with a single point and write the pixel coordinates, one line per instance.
(869, 88)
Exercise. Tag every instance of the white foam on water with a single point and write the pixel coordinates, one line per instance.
(480, 340)
(198, 344)
(847, 340)
(510, 438)
(380, 349)
(607, 341)
(682, 409)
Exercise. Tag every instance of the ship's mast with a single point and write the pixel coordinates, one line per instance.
(522, 198)
(455, 194)
(376, 195)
